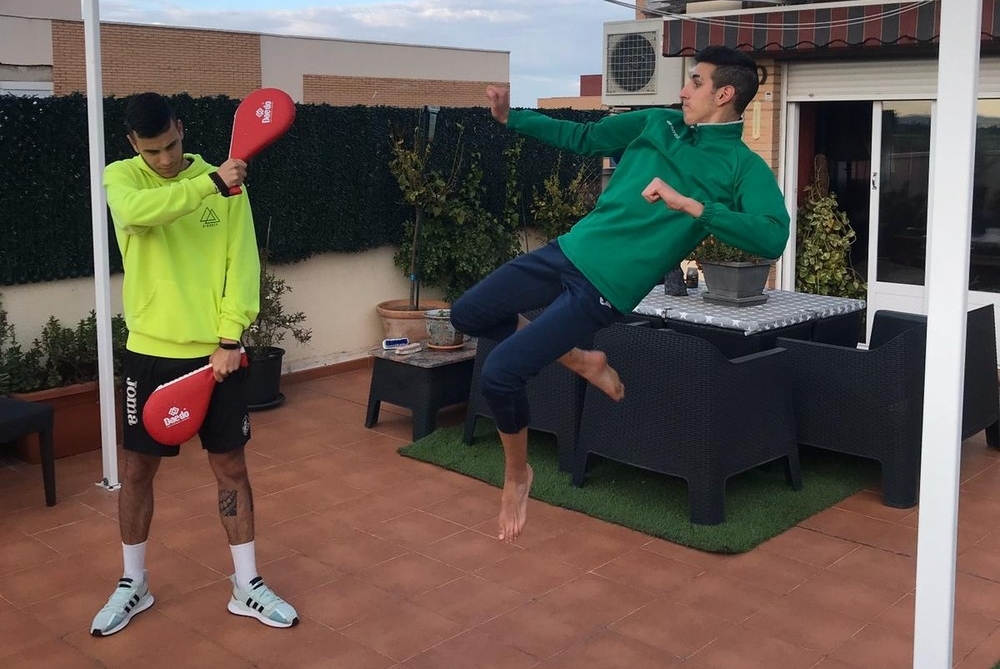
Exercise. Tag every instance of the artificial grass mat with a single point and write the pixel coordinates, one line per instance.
(759, 503)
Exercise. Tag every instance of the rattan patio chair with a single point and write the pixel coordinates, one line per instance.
(19, 419)
(689, 412)
(555, 397)
(869, 403)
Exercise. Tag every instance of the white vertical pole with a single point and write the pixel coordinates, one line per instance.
(102, 278)
(948, 236)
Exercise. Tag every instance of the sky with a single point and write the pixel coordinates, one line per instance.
(551, 42)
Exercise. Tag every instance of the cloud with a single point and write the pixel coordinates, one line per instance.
(551, 43)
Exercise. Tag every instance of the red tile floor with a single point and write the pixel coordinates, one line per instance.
(392, 564)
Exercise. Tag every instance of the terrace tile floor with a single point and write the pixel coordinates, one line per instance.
(393, 564)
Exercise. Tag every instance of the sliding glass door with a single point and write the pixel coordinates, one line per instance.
(900, 186)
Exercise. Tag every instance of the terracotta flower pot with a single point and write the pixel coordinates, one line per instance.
(399, 321)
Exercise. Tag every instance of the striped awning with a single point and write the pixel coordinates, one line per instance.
(803, 29)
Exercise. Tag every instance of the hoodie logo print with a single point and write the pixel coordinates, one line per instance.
(208, 218)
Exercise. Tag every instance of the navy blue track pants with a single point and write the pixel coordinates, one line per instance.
(574, 311)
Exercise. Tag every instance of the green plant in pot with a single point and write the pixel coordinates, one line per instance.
(60, 356)
(60, 368)
(823, 242)
(427, 191)
(261, 340)
(732, 276)
(453, 241)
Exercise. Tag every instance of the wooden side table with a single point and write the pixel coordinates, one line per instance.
(423, 382)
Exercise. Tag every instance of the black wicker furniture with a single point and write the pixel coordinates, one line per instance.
(555, 397)
(19, 419)
(423, 382)
(869, 403)
(739, 331)
(689, 412)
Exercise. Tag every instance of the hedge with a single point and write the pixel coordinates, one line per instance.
(325, 186)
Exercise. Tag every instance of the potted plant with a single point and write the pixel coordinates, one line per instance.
(452, 241)
(732, 276)
(261, 339)
(60, 368)
(427, 191)
(823, 242)
(441, 334)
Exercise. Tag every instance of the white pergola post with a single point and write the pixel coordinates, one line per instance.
(948, 237)
(102, 274)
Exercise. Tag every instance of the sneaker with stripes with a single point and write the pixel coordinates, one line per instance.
(128, 599)
(260, 602)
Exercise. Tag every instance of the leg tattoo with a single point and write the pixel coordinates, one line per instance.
(227, 503)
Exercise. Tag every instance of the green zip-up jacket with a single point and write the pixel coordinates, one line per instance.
(192, 273)
(625, 245)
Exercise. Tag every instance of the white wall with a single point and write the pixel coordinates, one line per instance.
(24, 41)
(67, 10)
(285, 59)
(337, 291)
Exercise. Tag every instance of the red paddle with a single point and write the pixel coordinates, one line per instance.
(263, 116)
(175, 411)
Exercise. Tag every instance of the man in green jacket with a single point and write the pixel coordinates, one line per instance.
(192, 286)
(683, 174)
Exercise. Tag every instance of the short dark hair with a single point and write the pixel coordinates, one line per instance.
(148, 115)
(732, 68)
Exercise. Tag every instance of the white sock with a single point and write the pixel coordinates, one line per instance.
(245, 563)
(135, 561)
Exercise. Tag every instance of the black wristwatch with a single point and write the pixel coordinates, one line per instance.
(227, 346)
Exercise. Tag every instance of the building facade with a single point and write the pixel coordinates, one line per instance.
(856, 83)
(589, 97)
(42, 52)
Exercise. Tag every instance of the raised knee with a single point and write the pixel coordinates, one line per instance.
(460, 317)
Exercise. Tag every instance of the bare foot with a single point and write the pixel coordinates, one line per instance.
(514, 507)
(593, 366)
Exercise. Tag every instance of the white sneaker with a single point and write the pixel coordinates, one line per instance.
(128, 599)
(260, 602)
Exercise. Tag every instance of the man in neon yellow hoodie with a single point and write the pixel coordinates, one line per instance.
(683, 174)
(192, 286)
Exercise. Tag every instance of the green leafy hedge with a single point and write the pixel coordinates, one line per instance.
(325, 186)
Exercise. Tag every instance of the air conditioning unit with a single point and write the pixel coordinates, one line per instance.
(635, 72)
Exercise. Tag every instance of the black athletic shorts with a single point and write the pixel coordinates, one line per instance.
(227, 424)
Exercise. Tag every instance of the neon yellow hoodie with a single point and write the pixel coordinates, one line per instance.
(192, 273)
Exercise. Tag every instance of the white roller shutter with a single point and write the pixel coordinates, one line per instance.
(874, 79)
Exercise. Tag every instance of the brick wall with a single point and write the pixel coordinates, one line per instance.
(166, 60)
(768, 143)
(591, 84)
(342, 91)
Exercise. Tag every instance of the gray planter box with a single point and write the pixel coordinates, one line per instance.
(735, 283)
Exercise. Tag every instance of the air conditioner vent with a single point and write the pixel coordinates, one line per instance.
(632, 63)
(635, 72)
